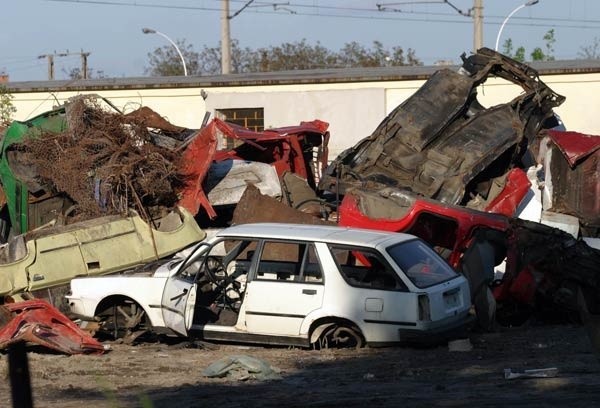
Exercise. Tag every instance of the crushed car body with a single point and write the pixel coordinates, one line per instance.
(37, 322)
(441, 143)
(220, 178)
(572, 178)
(51, 257)
(290, 284)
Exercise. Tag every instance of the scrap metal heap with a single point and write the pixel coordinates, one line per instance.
(440, 166)
(104, 161)
(441, 143)
(443, 167)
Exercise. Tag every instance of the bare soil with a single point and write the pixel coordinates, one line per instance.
(170, 375)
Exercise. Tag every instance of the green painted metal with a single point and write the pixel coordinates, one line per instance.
(53, 121)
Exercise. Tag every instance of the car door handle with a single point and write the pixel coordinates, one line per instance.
(309, 291)
(185, 291)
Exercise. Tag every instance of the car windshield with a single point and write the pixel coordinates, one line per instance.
(421, 264)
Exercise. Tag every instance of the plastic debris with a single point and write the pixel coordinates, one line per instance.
(241, 368)
(460, 345)
(509, 374)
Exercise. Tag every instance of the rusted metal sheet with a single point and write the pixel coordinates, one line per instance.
(575, 178)
(299, 149)
(37, 322)
(196, 159)
(255, 207)
(154, 120)
(575, 146)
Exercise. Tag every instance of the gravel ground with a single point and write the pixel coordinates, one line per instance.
(170, 375)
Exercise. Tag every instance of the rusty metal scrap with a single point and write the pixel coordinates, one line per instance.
(38, 322)
(441, 143)
(105, 161)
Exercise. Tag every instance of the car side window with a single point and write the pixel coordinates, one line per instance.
(290, 262)
(311, 271)
(365, 268)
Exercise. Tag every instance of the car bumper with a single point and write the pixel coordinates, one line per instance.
(77, 308)
(454, 328)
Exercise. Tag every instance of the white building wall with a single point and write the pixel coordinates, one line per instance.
(353, 110)
(181, 106)
(351, 114)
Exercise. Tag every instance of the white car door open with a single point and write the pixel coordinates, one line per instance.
(179, 295)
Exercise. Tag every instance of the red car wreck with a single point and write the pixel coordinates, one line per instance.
(278, 161)
(39, 323)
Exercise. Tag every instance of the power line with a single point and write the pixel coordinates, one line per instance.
(395, 17)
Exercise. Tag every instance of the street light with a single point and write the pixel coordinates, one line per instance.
(529, 3)
(151, 31)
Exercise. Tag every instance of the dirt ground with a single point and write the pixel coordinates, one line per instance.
(170, 375)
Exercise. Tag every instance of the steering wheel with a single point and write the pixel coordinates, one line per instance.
(215, 271)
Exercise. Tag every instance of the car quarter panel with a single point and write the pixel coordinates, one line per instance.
(377, 313)
(87, 293)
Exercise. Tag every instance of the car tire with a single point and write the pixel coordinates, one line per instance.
(124, 319)
(339, 335)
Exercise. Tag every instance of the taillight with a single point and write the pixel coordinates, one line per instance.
(424, 309)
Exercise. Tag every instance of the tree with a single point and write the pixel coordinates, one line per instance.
(591, 51)
(75, 73)
(538, 54)
(165, 61)
(355, 55)
(298, 55)
(6, 106)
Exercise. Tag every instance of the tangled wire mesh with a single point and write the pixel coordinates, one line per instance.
(105, 162)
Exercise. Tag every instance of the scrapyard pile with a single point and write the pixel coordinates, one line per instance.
(440, 166)
(104, 161)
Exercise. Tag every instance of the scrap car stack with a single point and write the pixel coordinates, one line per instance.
(449, 217)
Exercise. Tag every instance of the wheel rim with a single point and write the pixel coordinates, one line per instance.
(341, 336)
(128, 321)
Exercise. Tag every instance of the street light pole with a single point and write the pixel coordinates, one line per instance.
(151, 31)
(529, 3)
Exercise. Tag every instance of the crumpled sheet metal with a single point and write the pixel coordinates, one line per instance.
(38, 322)
(196, 160)
(575, 146)
(573, 175)
(441, 143)
(241, 368)
(282, 148)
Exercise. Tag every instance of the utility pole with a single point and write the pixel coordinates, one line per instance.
(477, 25)
(226, 34)
(225, 38)
(84, 67)
(50, 58)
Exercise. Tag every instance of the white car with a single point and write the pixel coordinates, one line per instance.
(287, 284)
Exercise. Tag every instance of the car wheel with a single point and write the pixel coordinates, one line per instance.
(340, 335)
(126, 320)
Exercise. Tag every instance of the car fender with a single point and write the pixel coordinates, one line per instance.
(146, 292)
(328, 319)
(153, 311)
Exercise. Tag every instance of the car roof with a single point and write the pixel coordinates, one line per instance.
(308, 232)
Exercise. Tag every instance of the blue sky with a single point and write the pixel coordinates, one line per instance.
(111, 29)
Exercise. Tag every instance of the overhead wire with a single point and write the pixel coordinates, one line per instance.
(258, 7)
